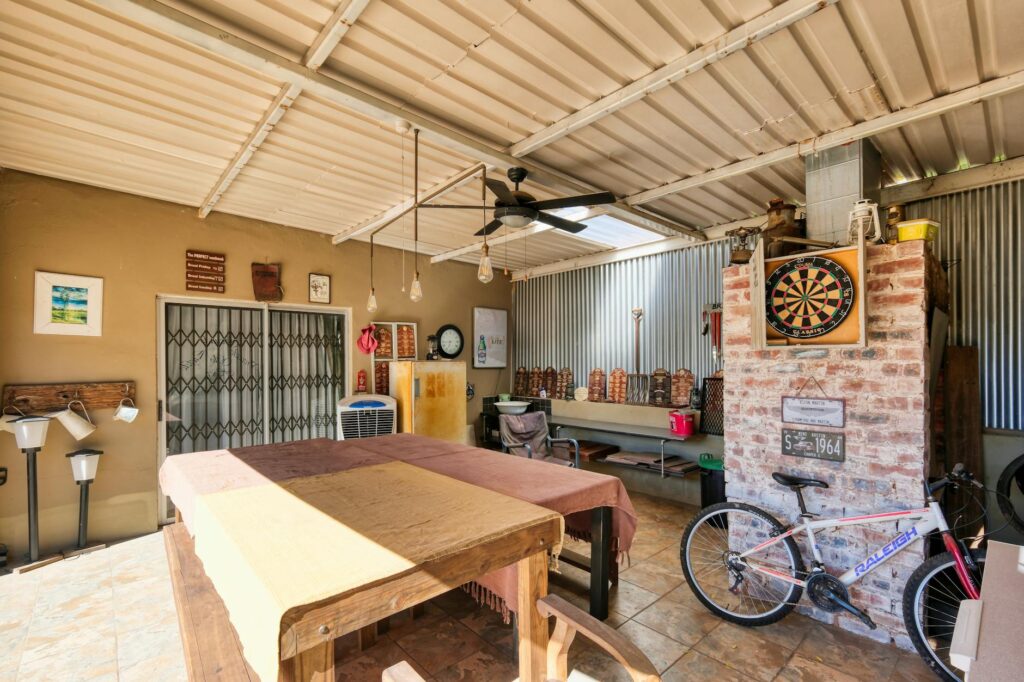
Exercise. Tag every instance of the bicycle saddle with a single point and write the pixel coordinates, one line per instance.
(797, 481)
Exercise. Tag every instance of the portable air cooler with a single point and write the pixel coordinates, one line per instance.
(365, 416)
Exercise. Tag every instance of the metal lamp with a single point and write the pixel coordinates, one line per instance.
(30, 433)
(84, 463)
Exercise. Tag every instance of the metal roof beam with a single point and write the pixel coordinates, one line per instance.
(770, 22)
(897, 119)
(959, 181)
(186, 28)
(325, 42)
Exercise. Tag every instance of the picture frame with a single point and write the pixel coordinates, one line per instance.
(319, 288)
(491, 326)
(70, 305)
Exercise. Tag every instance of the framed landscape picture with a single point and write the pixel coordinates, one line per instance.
(319, 288)
(68, 304)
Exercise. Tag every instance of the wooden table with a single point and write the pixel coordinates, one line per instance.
(300, 563)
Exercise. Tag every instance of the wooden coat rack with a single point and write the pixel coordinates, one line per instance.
(49, 397)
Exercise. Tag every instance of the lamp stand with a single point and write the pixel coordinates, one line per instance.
(33, 506)
(83, 512)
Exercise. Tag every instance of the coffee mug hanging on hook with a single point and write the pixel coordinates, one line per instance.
(126, 413)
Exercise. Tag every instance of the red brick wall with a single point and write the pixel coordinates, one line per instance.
(887, 423)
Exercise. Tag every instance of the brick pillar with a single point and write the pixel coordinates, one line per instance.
(887, 425)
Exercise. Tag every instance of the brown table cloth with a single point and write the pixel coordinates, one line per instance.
(570, 492)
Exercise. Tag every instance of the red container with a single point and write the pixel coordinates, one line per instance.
(681, 423)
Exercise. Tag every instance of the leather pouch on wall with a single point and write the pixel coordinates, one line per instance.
(266, 282)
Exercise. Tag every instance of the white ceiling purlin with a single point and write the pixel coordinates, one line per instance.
(884, 123)
(328, 38)
(184, 27)
(756, 29)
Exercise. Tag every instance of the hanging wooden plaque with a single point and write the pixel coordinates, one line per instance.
(266, 282)
(204, 271)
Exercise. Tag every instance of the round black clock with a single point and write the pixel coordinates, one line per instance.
(808, 296)
(449, 341)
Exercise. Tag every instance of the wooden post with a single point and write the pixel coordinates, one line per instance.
(314, 665)
(533, 627)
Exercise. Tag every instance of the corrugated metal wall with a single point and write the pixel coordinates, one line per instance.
(982, 233)
(581, 319)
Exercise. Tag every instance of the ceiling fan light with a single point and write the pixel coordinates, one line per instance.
(416, 290)
(512, 220)
(485, 273)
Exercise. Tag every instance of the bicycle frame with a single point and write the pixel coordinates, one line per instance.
(929, 518)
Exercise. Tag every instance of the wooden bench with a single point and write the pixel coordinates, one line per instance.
(568, 621)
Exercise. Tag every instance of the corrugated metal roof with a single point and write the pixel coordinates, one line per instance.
(93, 97)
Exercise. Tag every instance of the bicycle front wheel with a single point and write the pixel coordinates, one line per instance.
(754, 590)
(931, 601)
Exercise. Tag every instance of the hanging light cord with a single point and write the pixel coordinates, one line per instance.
(404, 221)
(416, 202)
(371, 262)
(483, 202)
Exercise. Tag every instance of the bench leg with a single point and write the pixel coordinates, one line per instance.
(367, 636)
(311, 665)
(600, 560)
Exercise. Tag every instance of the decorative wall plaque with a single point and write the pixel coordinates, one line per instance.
(814, 411)
(204, 271)
(266, 282)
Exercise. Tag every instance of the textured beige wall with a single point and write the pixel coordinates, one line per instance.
(137, 246)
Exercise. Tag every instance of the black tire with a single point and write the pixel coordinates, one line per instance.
(1011, 478)
(938, 569)
(701, 519)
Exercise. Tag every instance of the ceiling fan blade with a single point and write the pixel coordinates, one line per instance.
(595, 199)
(489, 228)
(502, 191)
(560, 223)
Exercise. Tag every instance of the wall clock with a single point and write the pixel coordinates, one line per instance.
(450, 341)
(808, 297)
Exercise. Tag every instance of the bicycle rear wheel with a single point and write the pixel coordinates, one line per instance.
(734, 588)
(931, 601)
(1010, 489)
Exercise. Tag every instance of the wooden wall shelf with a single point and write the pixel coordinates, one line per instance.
(48, 397)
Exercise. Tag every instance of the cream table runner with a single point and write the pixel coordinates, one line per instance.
(273, 547)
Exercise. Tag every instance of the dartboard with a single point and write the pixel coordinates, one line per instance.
(808, 297)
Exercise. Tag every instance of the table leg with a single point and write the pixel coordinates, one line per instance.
(312, 665)
(533, 627)
(600, 560)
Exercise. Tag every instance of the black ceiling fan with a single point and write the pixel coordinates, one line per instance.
(516, 208)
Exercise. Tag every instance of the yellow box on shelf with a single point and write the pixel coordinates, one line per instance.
(922, 228)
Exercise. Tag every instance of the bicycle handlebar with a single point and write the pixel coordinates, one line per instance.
(957, 475)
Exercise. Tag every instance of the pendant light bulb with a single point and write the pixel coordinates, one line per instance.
(485, 273)
(371, 303)
(416, 290)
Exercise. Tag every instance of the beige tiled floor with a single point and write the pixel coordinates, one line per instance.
(110, 615)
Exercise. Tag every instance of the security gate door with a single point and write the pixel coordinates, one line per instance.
(234, 376)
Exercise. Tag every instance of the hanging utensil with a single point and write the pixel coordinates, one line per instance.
(637, 384)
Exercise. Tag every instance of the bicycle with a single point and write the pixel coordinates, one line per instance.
(744, 566)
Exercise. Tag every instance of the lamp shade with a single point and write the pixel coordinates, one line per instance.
(84, 463)
(30, 432)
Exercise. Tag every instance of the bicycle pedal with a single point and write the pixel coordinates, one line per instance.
(864, 618)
